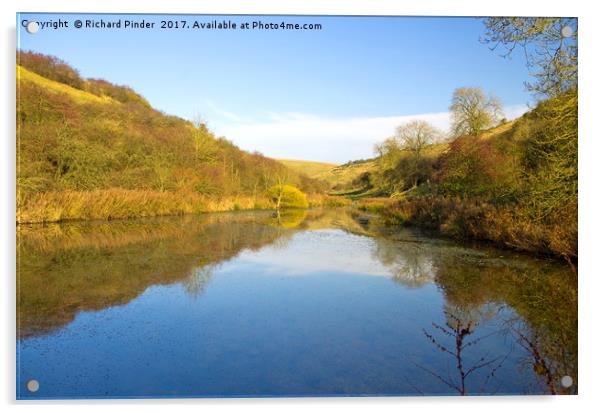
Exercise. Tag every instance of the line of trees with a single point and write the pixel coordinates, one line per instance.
(404, 160)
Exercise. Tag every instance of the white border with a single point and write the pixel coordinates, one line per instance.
(590, 153)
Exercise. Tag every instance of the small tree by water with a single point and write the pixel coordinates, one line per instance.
(287, 196)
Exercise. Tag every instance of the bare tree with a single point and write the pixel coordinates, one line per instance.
(549, 45)
(204, 145)
(416, 135)
(472, 111)
(401, 159)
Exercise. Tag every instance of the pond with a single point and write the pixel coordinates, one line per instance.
(304, 303)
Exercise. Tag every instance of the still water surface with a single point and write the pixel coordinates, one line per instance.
(306, 303)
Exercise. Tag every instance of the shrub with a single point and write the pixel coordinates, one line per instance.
(474, 167)
(287, 196)
(507, 225)
(123, 94)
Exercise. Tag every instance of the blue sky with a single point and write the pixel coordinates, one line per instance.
(325, 95)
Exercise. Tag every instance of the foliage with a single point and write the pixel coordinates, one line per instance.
(51, 68)
(363, 181)
(416, 135)
(327, 201)
(123, 94)
(375, 204)
(549, 159)
(475, 167)
(287, 196)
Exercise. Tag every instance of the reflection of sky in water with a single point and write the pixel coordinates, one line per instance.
(335, 250)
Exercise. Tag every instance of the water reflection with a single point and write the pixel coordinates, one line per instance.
(537, 306)
(460, 331)
(65, 269)
(408, 262)
(456, 320)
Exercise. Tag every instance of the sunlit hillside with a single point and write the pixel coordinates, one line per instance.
(309, 168)
(88, 149)
(337, 176)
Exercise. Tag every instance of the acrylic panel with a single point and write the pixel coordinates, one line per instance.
(283, 206)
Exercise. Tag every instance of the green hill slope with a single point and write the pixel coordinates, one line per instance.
(89, 149)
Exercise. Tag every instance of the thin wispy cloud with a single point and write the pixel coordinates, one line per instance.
(224, 114)
(311, 137)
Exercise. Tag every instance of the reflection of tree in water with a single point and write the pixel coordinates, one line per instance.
(550, 361)
(541, 299)
(288, 218)
(458, 330)
(284, 222)
(408, 262)
(76, 267)
(198, 279)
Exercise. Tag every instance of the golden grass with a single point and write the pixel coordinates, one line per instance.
(344, 174)
(117, 203)
(80, 96)
(498, 130)
(374, 204)
(327, 201)
(332, 173)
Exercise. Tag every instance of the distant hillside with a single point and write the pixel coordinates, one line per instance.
(310, 168)
(89, 149)
(345, 176)
(337, 176)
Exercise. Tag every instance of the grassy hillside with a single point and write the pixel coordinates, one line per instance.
(339, 177)
(89, 149)
(353, 179)
(310, 168)
(344, 177)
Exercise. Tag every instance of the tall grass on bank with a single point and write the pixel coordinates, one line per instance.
(119, 203)
(374, 205)
(123, 203)
(508, 225)
(327, 201)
